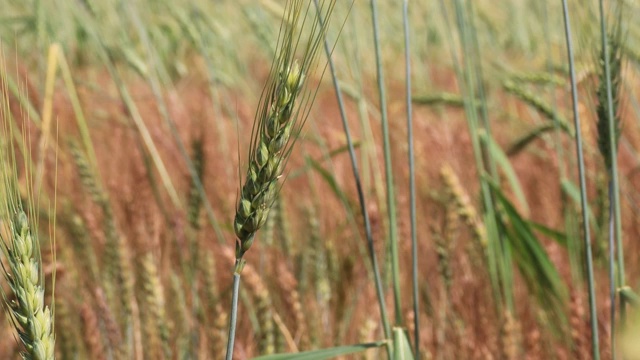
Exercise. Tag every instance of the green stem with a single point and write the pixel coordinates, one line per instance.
(412, 182)
(499, 264)
(476, 59)
(361, 200)
(234, 312)
(615, 188)
(391, 203)
(612, 266)
(583, 188)
(472, 58)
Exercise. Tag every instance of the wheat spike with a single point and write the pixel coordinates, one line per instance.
(466, 211)
(68, 334)
(31, 317)
(540, 78)
(114, 336)
(195, 201)
(154, 320)
(92, 335)
(289, 286)
(282, 112)
(264, 310)
(602, 108)
(444, 98)
(265, 167)
(87, 175)
(83, 250)
(510, 337)
(579, 326)
(21, 261)
(282, 226)
(537, 103)
(116, 262)
(218, 335)
(534, 346)
(366, 333)
(179, 314)
(444, 267)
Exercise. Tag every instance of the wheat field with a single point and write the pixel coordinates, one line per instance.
(302, 179)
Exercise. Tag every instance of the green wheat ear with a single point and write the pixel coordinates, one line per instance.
(602, 108)
(20, 258)
(22, 268)
(33, 320)
(283, 109)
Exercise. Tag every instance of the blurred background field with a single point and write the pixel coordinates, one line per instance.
(121, 102)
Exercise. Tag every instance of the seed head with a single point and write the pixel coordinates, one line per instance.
(281, 114)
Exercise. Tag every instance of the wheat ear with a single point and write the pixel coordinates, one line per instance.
(602, 108)
(32, 319)
(283, 110)
(261, 184)
(466, 211)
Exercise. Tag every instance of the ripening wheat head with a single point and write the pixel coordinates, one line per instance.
(283, 109)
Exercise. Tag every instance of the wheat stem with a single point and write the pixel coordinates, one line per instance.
(583, 187)
(234, 314)
(612, 156)
(391, 200)
(412, 182)
(361, 200)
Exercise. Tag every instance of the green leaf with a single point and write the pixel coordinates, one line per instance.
(629, 296)
(504, 163)
(324, 353)
(537, 270)
(574, 193)
(333, 153)
(493, 254)
(449, 99)
(329, 178)
(558, 236)
(525, 140)
(401, 347)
